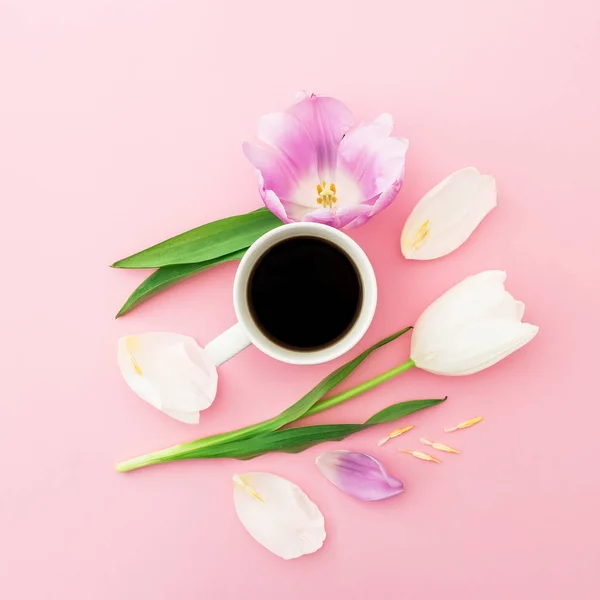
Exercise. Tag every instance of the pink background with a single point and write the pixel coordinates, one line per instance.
(121, 124)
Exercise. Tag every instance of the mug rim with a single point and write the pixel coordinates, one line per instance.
(350, 338)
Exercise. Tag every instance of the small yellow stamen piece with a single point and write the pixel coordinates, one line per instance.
(421, 235)
(464, 424)
(394, 434)
(419, 454)
(131, 344)
(319, 189)
(237, 479)
(439, 446)
(333, 188)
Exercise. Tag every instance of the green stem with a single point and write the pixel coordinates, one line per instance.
(359, 389)
(245, 432)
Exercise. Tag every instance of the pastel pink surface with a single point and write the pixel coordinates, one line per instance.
(121, 124)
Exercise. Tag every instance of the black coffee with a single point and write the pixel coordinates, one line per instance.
(304, 293)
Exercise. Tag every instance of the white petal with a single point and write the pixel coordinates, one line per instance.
(278, 514)
(470, 327)
(448, 214)
(192, 418)
(170, 371)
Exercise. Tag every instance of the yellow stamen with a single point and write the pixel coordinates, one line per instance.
(439, 446)
(326, 194)
(247, 487)
(421, 235)
(394, 434)
(131, 344)
(464, 424)
(419, 454)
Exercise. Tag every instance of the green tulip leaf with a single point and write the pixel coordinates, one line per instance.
(165, 277)
(205, 243)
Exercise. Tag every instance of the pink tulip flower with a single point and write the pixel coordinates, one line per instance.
(313, 166)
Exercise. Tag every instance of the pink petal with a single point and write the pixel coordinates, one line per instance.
(371, 157)
(326, 120)
(388, 196)
(274, 170)
(341, 218)
(359, 475)
(272, 202)
(324, 216)
(358, 222)
(297, 212)
(287, 135)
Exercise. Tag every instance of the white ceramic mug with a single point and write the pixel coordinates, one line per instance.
(246, 331)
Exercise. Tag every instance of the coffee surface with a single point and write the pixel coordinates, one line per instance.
(304, 293)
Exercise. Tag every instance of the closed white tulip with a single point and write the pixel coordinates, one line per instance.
(472, 326)
(448, 214)
(169, 371)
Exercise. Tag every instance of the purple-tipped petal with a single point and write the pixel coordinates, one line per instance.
(273, 203)
(387, 197)
(341, 218)
(273, 168)
(289, 136)
(326, 120)
(271, 200)
(372, 158)
(359, 475)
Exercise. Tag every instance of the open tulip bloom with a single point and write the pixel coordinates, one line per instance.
(312, 166)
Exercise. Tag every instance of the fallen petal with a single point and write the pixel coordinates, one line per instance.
(169, 371)
(359, 475)
(448, 214)
(278, 514)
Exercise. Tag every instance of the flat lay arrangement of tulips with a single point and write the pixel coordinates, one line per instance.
(317, 173)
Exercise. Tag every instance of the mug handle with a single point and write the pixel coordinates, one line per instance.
(228, 344)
